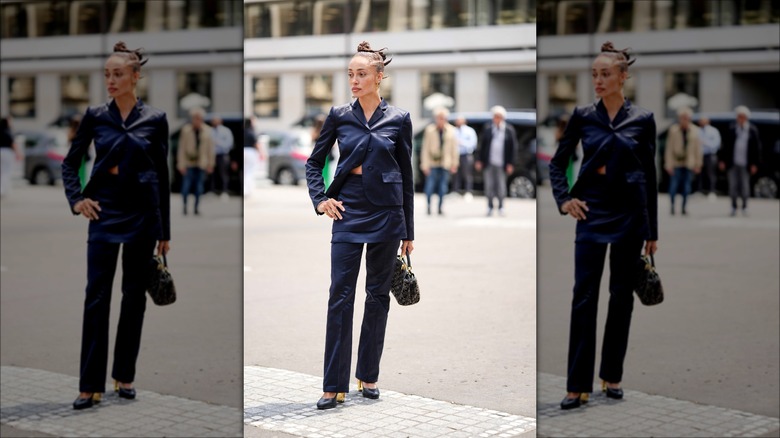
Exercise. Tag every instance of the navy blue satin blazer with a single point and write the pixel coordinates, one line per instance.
(626, 147)
(139, 148)
(383, 145)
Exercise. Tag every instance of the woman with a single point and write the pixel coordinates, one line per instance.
(614, 201)
(127, 203)
(370, 202)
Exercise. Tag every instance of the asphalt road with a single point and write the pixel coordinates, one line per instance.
(714, 340)
(471, 339)
(190, 349)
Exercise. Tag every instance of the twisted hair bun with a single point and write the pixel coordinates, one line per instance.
(135, 57)
(376, 56)
(622, 57)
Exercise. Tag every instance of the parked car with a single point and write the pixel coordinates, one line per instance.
(522, 182)
(765, 183)
(287, 154)
(44, 151)
(234, 122)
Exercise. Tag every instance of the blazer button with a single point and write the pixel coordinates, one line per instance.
(370, 149)
(370, 167)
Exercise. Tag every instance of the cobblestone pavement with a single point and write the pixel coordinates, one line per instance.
(641, 415)
(36, 400)
(284, 401)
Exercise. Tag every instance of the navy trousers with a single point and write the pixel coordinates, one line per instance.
(102, 259)
(589, 261)
(345, 265)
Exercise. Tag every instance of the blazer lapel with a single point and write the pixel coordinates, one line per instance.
(357, 111)
(379, 112)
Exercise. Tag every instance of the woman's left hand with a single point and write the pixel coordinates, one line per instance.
(651, 246)
(163, 246)
(407, 246)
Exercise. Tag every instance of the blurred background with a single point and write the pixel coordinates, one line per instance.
(52, 67)
(465, 55)
(708, 55)
(53, 55)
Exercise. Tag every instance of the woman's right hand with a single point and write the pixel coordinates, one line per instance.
(575, 208)
(88, 208)
(331, 208)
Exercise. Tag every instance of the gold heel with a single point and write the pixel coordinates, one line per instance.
(360, 385)
(97, 397)
(341, 397)
(584, 397)
(603, 386)
(116, 386)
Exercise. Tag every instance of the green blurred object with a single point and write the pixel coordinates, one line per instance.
(326, 172)
(570, 173)
(83, 173)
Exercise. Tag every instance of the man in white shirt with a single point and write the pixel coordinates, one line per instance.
(223, 143)
(467, 144)
(710, 144)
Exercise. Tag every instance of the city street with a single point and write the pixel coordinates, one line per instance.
(189, 376)
(466, 351)
(712, 342)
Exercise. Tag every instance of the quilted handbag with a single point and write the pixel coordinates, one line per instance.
(648, 283)
(161, 287)
(404, 284)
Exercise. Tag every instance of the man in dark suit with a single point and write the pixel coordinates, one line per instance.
(496, 157)
(739, 155)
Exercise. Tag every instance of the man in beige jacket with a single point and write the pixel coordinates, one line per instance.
(683, 155)
(195, 156)
(439, 156)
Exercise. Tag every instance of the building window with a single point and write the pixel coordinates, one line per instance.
(294, 19)
(74, 92)
(14, 20)
(48, 19)
(562, 92)
(21, 96)
(438, 90)
(681, 90)
(257, 21)
(332, 17)
(319, 93)
(265, 97)
(194, 90)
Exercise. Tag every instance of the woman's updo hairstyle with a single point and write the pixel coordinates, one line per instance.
(621, 57)
(376, 58)
(133, 57)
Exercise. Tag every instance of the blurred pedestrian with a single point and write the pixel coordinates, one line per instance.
(682, 157)
(223, 144)
(496, 156)
(614, 201)
(9, 152)
(467, 144)
(439, 156)
(739, 156)
(127, 203)
(710, 144)
(371, 203)
(251, 156)
(195, 157)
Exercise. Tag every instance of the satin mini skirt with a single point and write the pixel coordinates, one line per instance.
(364, 222)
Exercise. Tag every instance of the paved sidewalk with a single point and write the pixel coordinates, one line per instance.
(40, 401)
(642, 415)
(284, 401)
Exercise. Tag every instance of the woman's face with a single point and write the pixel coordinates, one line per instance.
(607, 77)
(363, 78)
(120, 77)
